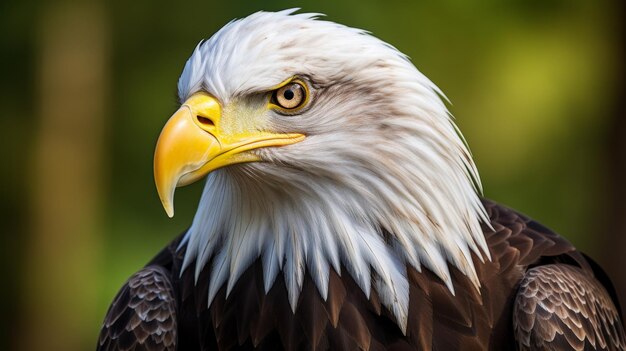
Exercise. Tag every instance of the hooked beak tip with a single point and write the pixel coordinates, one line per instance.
(168, 202)
(170, 211)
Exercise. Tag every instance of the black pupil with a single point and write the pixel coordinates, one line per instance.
(289, 94)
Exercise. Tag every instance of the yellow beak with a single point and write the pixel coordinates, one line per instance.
(196, 140)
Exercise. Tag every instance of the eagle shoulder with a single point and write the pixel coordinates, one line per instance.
(142, 315)
(562, 299)
(562, 307)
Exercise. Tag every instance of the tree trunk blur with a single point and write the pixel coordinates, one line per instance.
(61, 264)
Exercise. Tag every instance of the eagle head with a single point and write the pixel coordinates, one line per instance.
(323, 148)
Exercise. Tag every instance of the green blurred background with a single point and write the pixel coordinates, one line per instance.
(537, 87)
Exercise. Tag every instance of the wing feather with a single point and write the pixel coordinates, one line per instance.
(562, 307)
(143, 314)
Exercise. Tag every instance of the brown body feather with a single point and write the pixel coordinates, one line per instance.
(537, 292)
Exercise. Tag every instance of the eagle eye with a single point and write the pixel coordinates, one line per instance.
(290, 96)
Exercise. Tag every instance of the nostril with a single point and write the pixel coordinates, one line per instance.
(205, 122)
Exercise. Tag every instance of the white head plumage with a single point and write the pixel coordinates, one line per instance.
(383, 179)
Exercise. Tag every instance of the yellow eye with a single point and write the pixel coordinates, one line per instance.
(290, 96)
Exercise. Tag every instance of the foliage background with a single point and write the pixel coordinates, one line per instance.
(537, 88)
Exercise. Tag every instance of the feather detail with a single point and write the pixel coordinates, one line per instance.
(219, 274)
(270, 266)
(319, 271)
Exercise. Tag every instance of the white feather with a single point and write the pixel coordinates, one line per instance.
(270, 265)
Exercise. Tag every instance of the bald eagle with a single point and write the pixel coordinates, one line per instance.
(342, 211)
